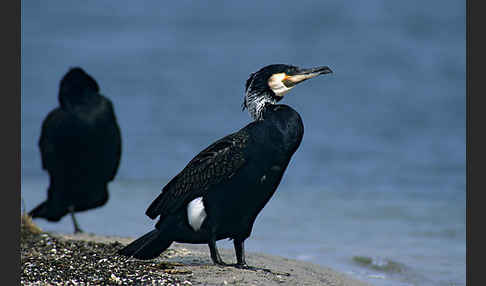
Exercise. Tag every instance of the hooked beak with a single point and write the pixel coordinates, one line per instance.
(304, 74)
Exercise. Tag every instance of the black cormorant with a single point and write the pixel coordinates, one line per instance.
(220, 192)
(80, 146)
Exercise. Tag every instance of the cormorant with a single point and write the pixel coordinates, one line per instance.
(80, 146)
(220, 192)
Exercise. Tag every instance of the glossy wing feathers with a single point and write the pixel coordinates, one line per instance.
(219, 162)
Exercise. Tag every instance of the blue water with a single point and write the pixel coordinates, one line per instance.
(377, 188)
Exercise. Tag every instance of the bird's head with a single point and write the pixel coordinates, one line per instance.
(76, 87)
(271, 83)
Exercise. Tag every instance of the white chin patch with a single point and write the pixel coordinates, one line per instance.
(196, 213)
(276, 84)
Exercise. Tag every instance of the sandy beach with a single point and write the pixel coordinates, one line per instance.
(88, 259)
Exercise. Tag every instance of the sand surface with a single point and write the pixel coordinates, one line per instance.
(194, 264)
(88, 259)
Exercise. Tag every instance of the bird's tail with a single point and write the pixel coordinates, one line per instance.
(148, 246)
(43, 211)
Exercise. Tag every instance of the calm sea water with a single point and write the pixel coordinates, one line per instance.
(377, 188)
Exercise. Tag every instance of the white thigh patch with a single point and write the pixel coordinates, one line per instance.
(196, 213)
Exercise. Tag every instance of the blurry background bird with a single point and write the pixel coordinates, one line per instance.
(80, 146)
(388, 156)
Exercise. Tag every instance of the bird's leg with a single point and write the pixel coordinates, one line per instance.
(214, 252)
(77, 229)
(240, 253)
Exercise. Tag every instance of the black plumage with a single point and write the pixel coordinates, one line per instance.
(80, 146)
(221, 191)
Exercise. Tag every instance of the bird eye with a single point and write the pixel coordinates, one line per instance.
(293, 70)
